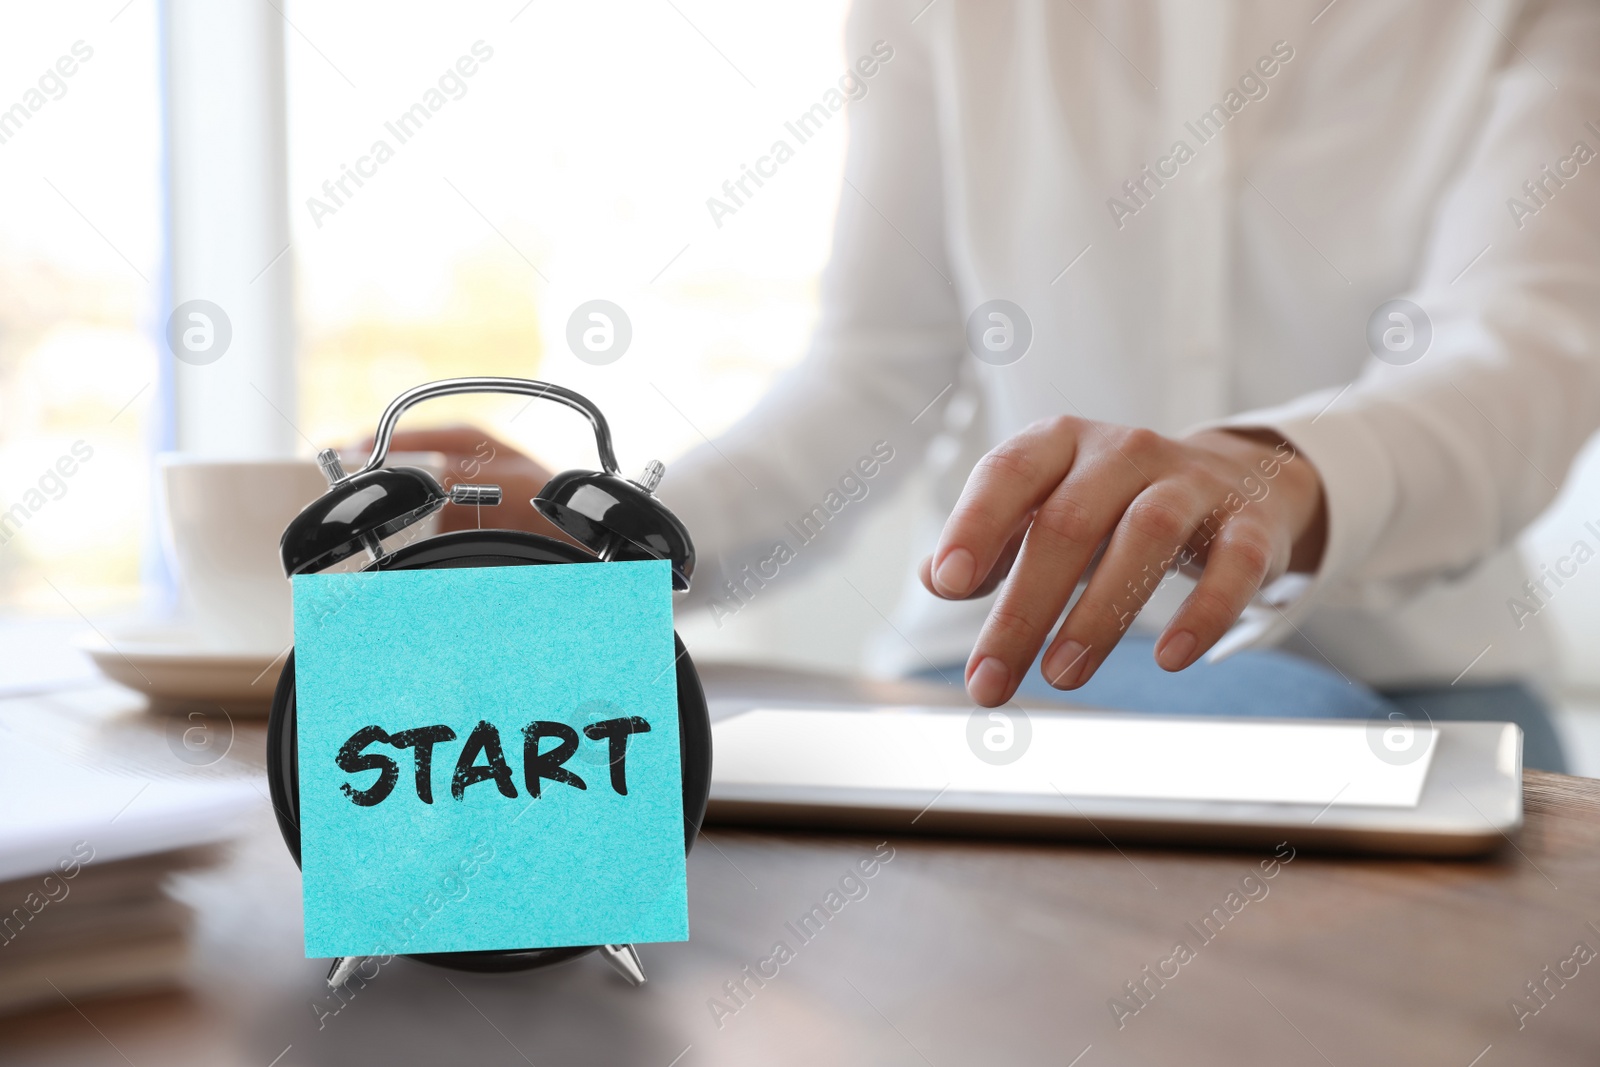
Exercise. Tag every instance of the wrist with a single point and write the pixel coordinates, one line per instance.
(1289, 477)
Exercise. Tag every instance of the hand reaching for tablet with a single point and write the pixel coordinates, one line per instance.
(1068, 496)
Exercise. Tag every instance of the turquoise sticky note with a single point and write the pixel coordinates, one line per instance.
(489, 759)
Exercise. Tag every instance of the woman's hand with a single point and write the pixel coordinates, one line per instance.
(475, 457)
(1239, 506)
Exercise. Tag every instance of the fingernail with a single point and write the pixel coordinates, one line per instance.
(989, 682)
(1064, 666)
(1174, 653)
(953, 576)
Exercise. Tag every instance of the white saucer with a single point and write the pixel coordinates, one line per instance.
(174, 667)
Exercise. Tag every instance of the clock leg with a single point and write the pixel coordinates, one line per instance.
(342, 969)
(625, 958)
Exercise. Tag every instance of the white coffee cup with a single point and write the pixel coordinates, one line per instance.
(223, 521)
(224, 518)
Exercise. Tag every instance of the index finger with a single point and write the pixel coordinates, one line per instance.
(1013, 479)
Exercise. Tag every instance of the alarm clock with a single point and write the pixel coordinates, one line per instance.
(612, 517)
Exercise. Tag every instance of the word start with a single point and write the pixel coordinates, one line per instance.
(483, 743)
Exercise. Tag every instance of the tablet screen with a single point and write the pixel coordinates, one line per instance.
(1074, 754)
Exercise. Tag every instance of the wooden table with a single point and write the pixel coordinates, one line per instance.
(960, 952)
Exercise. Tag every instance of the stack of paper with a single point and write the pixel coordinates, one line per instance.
(86, 848)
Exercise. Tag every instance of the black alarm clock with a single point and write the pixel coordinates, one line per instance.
(613, 517)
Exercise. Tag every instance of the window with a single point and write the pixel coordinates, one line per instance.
(80, 262)
(516, 162)
(463, 178)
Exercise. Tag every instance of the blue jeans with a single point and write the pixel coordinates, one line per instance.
(1267, 682)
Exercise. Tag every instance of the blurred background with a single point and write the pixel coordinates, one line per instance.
(573, 164)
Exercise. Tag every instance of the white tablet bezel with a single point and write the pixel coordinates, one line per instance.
(1471, 803)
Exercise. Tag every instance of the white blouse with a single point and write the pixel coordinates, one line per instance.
(1198, 206)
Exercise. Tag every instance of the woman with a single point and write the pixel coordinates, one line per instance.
(1124, 277)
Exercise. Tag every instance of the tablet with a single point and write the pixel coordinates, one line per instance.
(1445, 789)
